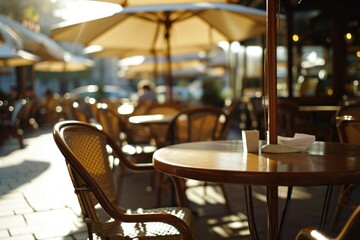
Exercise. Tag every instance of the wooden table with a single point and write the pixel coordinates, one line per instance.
(319, 108)
(152, 119)
(225, 161)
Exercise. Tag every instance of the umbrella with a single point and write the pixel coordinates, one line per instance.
(166, 29)
(36, 43)
(10, 57)
(44, 47)
(53, 57)
(156, 66)
(72, 64)
(11, 54)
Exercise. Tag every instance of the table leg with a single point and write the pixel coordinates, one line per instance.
(272, 209)
(180, 192)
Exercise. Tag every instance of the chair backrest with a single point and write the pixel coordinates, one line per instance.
(351, 109)
(287, 112)
(163, 108)
(348, 123)
(197, 124)
(348, 129)
(88, 153)
(78, 113)
(159, 131)
(111, 124)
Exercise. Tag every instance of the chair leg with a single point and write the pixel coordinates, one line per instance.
(250, 212)
(159, 186)
(343, 199)
(325, 207)
(288, 198)
(227, 202)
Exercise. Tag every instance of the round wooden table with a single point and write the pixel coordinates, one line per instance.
(225, 161)
(152, 119)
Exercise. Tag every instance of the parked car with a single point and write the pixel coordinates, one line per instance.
(97, 92)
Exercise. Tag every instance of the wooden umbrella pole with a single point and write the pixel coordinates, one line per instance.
(168, 56)
(271, 69)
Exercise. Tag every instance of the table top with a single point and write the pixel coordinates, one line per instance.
(152, 118)
(319, 108)
(225, 161)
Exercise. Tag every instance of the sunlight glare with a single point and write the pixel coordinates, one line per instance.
(82, 10)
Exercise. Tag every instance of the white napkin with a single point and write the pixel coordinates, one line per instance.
(299, 143)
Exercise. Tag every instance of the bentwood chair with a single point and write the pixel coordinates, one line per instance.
(90, 155)
(348, 127)
(159, 131)
(350, 231)
(135, 143)
(205, 123)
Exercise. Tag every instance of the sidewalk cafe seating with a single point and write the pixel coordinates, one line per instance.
(90, 156)
(160, 131)
(134, 142)
(204, 123)
(10, 121)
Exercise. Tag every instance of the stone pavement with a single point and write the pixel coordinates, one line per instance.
(37, 201)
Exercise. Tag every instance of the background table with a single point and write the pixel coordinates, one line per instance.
(225, 161)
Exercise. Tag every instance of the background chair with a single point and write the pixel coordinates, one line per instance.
(350, 231)
(159, 131)
(10, 121)
(206, 123)
(89, 154)
(349, 132)
(134, 142)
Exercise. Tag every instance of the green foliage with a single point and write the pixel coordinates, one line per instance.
(212, 93)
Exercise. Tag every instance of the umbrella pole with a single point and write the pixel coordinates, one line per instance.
(168, 56)
(271, 69)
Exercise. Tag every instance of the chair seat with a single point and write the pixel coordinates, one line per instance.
(148, 230)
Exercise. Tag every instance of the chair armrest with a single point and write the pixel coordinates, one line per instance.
(310, 233)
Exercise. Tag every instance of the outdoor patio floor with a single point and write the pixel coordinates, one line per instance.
(37, 199)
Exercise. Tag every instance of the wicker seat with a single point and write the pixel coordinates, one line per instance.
(91, 157)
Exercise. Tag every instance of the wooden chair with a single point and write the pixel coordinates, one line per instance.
(198, 124)
(349, 132)
(89, 154)
(350, 231)
(136, 143)
(159, 131)
(78, 113)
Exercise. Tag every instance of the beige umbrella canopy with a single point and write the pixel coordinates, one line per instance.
(157, 66)
(166, 29)
(71, 64)
(10, 57)
(46, 48)
(11, 54)
(36, 43)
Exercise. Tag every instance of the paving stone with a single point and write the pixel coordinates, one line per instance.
(11, 221)
(4, 234)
